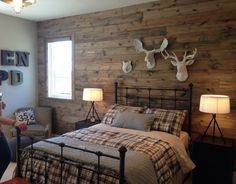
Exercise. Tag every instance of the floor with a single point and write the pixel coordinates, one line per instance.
(11, 168)
(9, 172)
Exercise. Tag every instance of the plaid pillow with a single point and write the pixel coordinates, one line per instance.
(25, 115)
(169, 121)
(114, 109)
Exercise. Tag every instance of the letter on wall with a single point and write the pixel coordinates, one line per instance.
(22, 59)
(16, 77)
(3, 76)
(7, 57)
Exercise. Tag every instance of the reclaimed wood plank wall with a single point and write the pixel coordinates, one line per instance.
(103, 40)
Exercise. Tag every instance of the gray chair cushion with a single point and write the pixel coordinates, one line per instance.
(33, 130)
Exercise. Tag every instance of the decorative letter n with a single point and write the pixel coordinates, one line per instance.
(22, 59)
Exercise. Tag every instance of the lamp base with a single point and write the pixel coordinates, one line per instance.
(92, 119)
(94, 115)
(214, 125)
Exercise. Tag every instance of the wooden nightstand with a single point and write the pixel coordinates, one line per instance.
(214, 160)
(85, 124)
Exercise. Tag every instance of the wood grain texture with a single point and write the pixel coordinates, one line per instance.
(103, 39)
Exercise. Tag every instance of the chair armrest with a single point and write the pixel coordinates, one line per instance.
(43, 115)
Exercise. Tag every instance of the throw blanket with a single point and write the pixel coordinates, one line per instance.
(145, 153)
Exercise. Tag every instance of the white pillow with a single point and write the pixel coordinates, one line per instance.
(26, 116)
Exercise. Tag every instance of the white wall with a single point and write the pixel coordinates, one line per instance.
(19, 35)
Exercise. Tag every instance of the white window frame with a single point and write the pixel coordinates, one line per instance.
(54, 90)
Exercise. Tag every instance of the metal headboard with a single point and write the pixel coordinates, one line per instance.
(168, 98)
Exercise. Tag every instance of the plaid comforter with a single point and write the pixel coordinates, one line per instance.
(161, 154)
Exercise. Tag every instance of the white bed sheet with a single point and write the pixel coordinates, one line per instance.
(185, 138)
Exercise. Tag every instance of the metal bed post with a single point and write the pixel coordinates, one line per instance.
(46, 170)
(31, 159)
(190, 110)
(122, 151)
(18, 142)
(99, 154)
(61, 160)
(79, 173)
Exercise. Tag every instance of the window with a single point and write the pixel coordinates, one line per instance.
(59, 58)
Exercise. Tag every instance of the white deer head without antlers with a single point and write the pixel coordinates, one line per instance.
(127, 66)
(182, 73)
(149, 58)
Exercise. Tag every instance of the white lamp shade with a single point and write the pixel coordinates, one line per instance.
(92, 94)
(217, 104)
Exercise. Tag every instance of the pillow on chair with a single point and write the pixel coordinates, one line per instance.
(25, 115)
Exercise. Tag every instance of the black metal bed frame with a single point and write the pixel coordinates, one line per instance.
(123, 95)
(122, 151)
(169, 98)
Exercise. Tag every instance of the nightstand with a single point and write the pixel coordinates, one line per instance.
(214, 160)
(85, 124)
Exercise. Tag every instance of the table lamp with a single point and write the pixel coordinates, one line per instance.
(93, 95)
(214, 104)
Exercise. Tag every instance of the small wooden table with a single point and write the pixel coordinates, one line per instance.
(214, 160)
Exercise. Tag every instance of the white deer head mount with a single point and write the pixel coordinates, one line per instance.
(182, 73)
(127, 66)
(149, 58)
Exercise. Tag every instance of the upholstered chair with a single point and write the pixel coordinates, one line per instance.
(38, 120)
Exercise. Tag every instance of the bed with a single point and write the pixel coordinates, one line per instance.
(143, 138)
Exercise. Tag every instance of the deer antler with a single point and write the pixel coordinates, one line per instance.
(162, 47)
(139, 46)
(185, 58)
(169, 56)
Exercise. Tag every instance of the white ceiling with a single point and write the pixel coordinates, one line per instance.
(51, 9)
